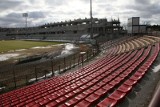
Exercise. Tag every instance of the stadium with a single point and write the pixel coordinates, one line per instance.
(90, 62)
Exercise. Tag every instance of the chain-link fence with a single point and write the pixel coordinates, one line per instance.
(24, 74)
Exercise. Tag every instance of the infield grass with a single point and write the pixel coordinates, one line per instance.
(8, 45)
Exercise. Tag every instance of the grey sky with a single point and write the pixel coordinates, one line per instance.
(46, 11)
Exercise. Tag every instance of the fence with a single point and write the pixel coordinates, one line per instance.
(24, 74)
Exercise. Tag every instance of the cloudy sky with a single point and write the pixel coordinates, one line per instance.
(46, 11)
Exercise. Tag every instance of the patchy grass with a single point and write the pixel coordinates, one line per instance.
(8, 45)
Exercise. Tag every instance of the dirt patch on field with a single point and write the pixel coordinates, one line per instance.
(67, 55)
(9, 58)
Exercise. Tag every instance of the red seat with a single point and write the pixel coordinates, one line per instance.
(30, 104)
(33, 104)
(63, 105)
(61, 99)
(83, 103)
(124, 88)
(77, 90)
(52, 104)
(114, 82)
(143, 69)
(69, 95)
(105, 80)
(130, 82)
(117, 95)
(107, 87)
(92, 98)
(119, 79)
(54, 96)
(89, 91)
(107, 102)
(101, 91)
(140, 73)
(136, 77)
(43, 102)
(21, 104)
(81, 96)
(123, 75)
(95, 87)
(71, 102)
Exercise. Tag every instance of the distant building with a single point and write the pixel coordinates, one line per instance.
(134, 27)
(73, 30)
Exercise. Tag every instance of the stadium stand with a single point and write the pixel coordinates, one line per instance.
(105, 82)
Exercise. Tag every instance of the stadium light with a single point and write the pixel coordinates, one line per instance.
(25, 15)
(91, 18)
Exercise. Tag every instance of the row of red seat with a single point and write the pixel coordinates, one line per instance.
(32, 88)
(87, 86)
(72, 85)
(126, 87)
(23, 92)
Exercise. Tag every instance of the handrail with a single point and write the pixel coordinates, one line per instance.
(155, 102)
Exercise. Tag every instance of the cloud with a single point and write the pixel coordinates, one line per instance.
(12, 19)
(43, 11)
(37, 14)
(56, 2)
(8, 4)
(146, 2)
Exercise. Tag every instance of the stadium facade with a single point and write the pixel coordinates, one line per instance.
(73, 30)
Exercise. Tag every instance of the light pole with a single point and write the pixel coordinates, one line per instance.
(91, 19)
(25, 15)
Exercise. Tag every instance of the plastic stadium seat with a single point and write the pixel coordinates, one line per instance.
(52, 104)
(108, 87)
(61, 99)
(107, 102)
(92, 98)
(83, 103)
(124, 88)
(44, 101)
(123, 75)
(130, 82)
(135, 77)
(63, 105)
(81, 96)
(101, 91)
(114, 82)
(95, 87)
(117, 95)
(140, 73)
(143, 69)
(71, 102)
(32, 104)
(89, 91)
(53, 97)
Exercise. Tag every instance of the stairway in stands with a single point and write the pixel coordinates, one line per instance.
(104, 83)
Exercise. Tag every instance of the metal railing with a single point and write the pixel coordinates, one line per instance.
(20, 75)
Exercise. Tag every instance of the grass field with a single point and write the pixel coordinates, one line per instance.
(17, 44)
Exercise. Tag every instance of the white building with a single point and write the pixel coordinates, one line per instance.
(134, 27)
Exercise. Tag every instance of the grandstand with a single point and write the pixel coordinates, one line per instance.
(106, 82)
(68, 31)
(124, 63)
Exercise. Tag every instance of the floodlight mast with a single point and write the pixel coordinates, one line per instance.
(91, 20)
(25, 15)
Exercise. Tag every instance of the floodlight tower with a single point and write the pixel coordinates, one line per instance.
(25, 15)
(91, 19)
